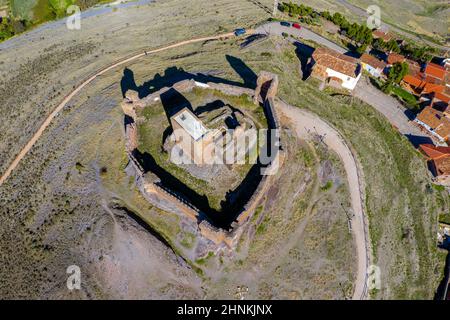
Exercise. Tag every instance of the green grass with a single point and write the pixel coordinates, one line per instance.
(203, 261)
(327, 186)
(433, 9)
(438, 187)
(23, 9)
(188, 240)
(262, 227)
(27, 14)
(42, 12)
(444, 218)
(409, 99)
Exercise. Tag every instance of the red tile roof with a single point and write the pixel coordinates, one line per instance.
(412, 80)
(423, 84)
(439, 156)
(395, 57)
(429, 87)
(436, 120)
(336, 61)
(372, 61)
(386, 36)
(435, 71)
(442, 96)
(434, 152)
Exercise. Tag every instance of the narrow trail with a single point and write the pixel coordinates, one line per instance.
(63, 103)
(307, 124)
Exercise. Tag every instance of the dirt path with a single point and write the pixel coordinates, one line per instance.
(307, 124)
(55, 112)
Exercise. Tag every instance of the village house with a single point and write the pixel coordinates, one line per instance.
(438, 100)
(439, 162)
(335, 69)
(434, 73)
(433, 79)
(372, 65)
(394, 58)
(413, 66)
(435, 121)
(386, 36)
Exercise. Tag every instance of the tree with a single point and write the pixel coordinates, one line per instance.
(398, 71)
(326, 15)
(392, 45)
(387, 87)
(362, 48)
(6, 29)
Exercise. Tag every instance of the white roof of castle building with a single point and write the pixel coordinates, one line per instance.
(191, 124)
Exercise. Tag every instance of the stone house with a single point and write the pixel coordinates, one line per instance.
(335, 68)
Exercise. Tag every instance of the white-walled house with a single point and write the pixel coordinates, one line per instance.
(335, 68)
(372, 65)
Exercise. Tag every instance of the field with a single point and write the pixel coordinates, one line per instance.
(71, 202)
(422, 17)
(39, 11)
(23, 9)
(429, 19)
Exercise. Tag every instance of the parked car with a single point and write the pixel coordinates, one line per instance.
(296, 26)
(285, 24)
(239, 31)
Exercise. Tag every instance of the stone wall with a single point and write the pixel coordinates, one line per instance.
(230, 90)
(266, 86)
(167, 199)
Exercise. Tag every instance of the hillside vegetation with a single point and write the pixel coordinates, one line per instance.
(26, 14)
(426, 18)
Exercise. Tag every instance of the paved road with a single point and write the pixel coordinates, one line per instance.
(389, 107)
(63, 103)
(274, 28)
(306, 124)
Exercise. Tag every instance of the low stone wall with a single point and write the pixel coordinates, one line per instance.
(266, 86)
(229, 89)
(167, 199)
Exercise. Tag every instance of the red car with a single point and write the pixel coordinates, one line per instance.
(296, 25)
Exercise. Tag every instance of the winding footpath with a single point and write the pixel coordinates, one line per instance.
(307, 125)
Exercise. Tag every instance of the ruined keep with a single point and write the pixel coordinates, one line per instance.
(166, 199)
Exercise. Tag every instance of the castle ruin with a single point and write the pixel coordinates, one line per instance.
(193, 131)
